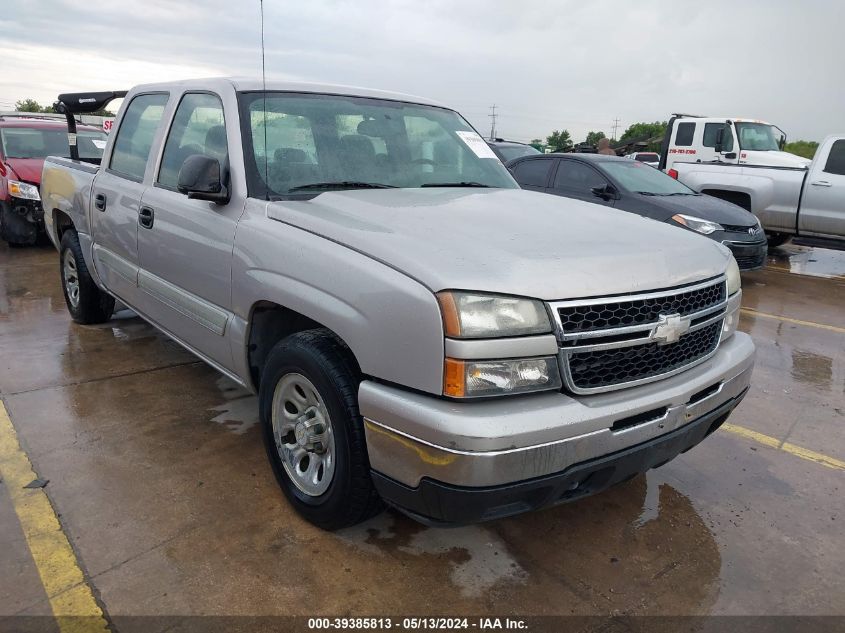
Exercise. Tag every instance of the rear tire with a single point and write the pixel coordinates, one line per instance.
(313, 431)
(777, 239)
(86, 303)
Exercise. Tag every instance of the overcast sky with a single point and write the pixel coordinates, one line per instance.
(574, 64)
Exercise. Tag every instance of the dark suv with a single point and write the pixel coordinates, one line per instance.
(511, 150)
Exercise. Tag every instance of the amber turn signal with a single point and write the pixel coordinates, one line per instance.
(454, 378)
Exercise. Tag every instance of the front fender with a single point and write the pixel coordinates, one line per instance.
(391, 322)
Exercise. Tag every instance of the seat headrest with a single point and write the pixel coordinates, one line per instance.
(290, 155)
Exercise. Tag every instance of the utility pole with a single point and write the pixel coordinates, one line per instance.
(493, 116)
(615, 125)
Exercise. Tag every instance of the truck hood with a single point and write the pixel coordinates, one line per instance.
(772, 159)
(507, 241)
(702, 206)
(27, 169)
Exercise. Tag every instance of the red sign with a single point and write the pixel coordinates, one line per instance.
(107, 123)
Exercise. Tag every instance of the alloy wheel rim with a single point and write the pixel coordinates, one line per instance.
(71, 276)
(302, 433)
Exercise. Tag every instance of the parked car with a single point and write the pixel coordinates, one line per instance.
(727, 140)
(509, 150)
(419, 330)
(651, 159)
(805, 201)
(634, 186)
(25, 141)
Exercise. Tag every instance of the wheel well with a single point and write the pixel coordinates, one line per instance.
(61, 223)
(270, 323)
(737, 197)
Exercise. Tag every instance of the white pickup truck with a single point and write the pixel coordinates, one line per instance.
(790, 201)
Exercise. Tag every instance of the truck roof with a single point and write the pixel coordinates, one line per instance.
(721, 118)
(251, 84)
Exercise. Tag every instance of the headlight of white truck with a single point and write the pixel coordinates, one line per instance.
(733, 277)
(699, 225)
(475, 315)
(23, 190)
(734, 283)
(472, 379)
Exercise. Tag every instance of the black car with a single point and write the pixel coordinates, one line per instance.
(511, 150)
(634, 186)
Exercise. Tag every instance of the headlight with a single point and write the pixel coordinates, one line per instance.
(734, 279)
(23, 190)
(731, 320)
(699, 225)
(471, 315)
(469, 379)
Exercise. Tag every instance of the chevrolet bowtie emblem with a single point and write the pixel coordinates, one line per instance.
(669, 329)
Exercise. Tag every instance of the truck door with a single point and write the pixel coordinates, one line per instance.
(822, 210)
(680, 146)
(185, 246)
(718, 143)
(116, 196)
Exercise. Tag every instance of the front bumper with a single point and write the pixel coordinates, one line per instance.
(748, 255)
(418, 444)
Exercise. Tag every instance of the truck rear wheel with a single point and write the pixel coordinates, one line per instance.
(86, 303)
(777, 239)
(313, 431)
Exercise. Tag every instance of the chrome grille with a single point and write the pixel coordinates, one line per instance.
(615, 342)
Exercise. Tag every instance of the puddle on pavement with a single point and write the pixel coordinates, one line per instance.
(477, 558)
(811, 368)
(240, 411)
(803, 260)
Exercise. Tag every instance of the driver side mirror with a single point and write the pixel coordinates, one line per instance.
(720, 136)
(782, 143)
(201, 179)
(605, 192)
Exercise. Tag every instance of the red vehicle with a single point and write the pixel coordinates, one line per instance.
(25, 141)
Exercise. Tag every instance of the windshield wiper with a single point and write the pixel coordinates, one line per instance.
(646, 193)
(342, 184)
(455, 184)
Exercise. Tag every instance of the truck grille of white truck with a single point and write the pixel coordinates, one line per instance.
(622, 341)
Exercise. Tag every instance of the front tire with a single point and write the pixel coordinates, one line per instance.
(777, 239)
(313, 431)
(86, 303)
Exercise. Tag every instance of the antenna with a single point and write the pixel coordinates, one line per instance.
(264, 106)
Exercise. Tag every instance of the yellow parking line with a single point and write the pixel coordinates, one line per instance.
(71, 599)
(764, 315)
(798, 451)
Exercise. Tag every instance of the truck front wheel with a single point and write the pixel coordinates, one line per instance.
(777, 239)
(313, 432)
(86, 303)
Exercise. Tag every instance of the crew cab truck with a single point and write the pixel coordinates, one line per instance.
(418, 329)
(727, 140)
(803, 201)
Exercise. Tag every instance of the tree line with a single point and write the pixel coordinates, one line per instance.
(32, 106)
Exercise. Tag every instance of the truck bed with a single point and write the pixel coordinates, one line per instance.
(66, 188)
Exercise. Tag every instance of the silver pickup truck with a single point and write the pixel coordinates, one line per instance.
(419, 330)
(801, 201)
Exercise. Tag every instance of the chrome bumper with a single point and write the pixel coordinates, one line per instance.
(411, 436)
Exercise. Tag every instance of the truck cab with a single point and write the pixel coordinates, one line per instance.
(726, 140)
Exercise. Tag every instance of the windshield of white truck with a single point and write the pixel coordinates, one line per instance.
(641, 178)
(27, 142)
(759, 137)
(304, 144)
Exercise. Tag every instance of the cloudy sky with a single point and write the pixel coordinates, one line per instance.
(574, 64)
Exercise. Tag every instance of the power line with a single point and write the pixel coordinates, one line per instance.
(492, 116)
(615, 125)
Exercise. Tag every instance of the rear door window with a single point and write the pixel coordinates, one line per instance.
(135, 136)
(836, 159)
(533, 173)
(683, 137)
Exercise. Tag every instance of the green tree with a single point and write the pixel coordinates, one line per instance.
(807, 149)
(538, 144)
(29, 105)
(560, 140)
(594, 137)
(648, 130)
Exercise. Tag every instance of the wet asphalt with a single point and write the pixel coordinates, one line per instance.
(158, 474)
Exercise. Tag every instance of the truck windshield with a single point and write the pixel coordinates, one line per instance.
(304, 144)
(760, 137)
(640, 178)
(26, 142)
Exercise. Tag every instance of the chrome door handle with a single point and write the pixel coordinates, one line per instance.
(821, 183)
